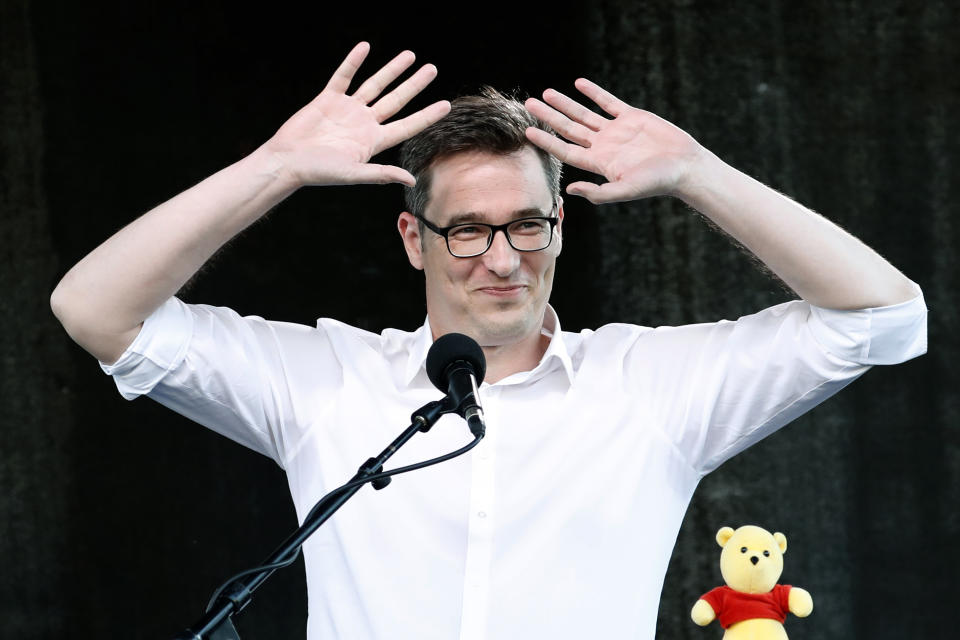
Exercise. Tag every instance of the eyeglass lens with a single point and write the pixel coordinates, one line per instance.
(526, 234)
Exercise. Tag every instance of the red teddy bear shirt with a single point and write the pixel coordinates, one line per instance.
(733, 606)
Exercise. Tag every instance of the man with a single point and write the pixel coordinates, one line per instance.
(561, 522)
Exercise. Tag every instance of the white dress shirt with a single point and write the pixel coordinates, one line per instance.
(560, 524)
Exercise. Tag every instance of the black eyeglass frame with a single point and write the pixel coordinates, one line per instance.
(445, 232)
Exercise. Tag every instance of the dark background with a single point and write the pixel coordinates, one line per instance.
(118, 519)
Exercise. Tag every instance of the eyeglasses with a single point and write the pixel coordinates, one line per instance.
(471, 239)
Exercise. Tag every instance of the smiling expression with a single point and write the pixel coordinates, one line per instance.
(497, 298)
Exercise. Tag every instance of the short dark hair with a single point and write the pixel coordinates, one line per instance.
(490, 122)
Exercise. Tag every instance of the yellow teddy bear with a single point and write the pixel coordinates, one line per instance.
(752, 606)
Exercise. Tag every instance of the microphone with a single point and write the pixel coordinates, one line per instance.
(455, 365)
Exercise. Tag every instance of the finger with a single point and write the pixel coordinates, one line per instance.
(399, 97)
(340, 80)
(569, 153)
(380, 174)
(572, 131)
(396, 132)
(574, 110)
(379, 81)
(601, 194)
(604, 99)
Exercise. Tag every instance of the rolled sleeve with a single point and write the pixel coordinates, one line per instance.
(159, 348)
(881, 335)
(720, 387)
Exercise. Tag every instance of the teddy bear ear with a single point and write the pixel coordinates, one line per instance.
(781, 541)
(724, 535)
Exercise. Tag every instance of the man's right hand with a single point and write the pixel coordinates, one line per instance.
(331, 140)
(103, 300)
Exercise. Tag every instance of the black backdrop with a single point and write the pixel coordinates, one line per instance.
(119, 518)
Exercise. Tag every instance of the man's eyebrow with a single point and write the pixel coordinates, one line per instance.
(475, 216)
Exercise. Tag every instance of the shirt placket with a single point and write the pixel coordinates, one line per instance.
(476, 587)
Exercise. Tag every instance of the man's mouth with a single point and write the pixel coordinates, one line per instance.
(505, 291)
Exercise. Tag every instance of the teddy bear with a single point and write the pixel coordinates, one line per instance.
(752, 606)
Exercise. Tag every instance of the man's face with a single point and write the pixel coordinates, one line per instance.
(499, 297)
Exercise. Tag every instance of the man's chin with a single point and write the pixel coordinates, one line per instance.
(505, 331)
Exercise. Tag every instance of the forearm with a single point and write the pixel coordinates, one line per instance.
(821, 262)
(103, 299)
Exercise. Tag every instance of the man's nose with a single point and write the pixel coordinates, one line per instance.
(501, 258)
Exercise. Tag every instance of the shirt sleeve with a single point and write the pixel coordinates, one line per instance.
(159, 347)
(718, 388)
(239, 376)
(882, 335)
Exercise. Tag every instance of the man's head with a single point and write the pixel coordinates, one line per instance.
(476, 165)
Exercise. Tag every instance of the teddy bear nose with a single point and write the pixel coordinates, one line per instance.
(754, 559)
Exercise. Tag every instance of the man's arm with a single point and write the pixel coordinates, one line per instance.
(642, 155)
(103, 300)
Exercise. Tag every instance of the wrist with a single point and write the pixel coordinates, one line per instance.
(272, 164)
(702, 169)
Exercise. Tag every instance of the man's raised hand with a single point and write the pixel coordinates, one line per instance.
(331, 139)
(639, 153)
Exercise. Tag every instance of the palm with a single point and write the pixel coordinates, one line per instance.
(639, 153)
(332, 139)
(333, 133)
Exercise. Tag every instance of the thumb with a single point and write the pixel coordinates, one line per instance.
(599, 194)
(380, 174)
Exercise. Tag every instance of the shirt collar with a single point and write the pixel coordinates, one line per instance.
(420, 343)
(422, 340)
(557, 347)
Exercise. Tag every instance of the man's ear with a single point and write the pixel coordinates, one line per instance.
(409, 230)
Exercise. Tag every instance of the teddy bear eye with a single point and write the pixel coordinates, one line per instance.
(766, 553)
(743, 549)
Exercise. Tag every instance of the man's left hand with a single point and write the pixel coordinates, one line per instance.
(639, 153)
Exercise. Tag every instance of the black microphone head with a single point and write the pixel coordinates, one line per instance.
(451, 348)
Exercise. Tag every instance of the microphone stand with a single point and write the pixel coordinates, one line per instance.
(216, 623)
